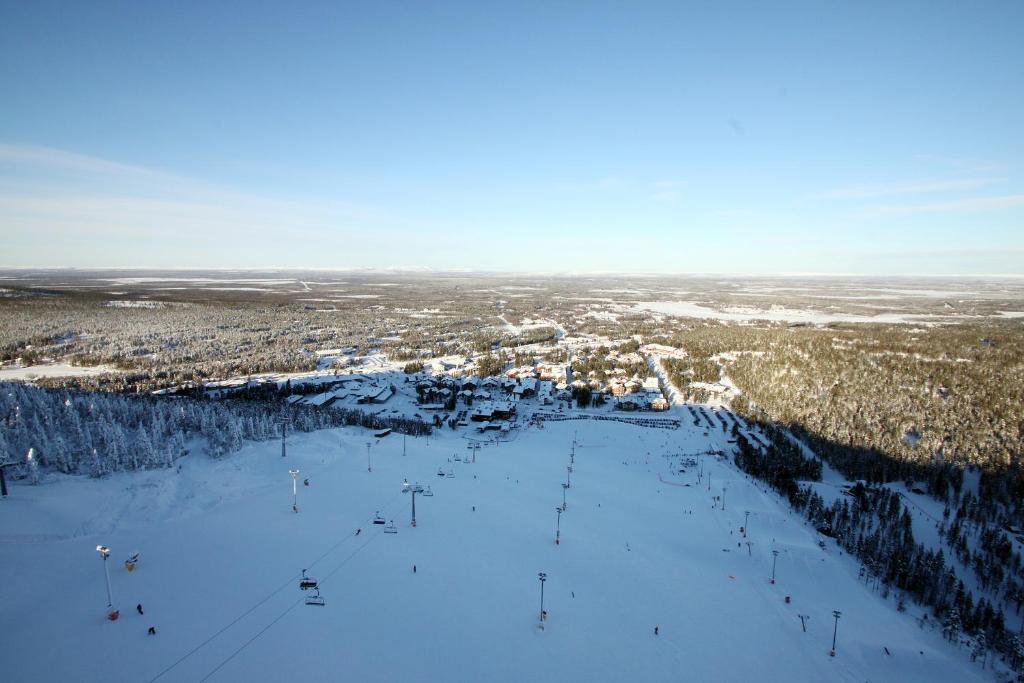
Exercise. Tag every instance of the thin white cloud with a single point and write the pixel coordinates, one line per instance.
(55, 192)
(918, 187)
(1011, 201)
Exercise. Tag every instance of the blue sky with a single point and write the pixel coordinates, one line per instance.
(875, 138)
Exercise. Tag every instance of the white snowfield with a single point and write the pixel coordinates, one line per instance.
(30, 372)
(221, 554)
(690, 309)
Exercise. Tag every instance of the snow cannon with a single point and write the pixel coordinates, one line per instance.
(130, 563)
(113, 614)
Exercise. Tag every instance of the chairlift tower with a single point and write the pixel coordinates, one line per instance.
(568, 477)
(564, 488)
(3, 478)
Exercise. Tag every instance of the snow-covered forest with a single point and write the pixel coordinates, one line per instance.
(99, 433)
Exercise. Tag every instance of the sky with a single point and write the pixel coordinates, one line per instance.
(733, 137)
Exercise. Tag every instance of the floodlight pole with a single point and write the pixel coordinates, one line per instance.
(104, 552)
(565, 487)
(369, 465)
(543, 577)
(413, 491)
(558, 526)
(568, 476)
(835, 629)
(295, 490)
(775, 557)
(746, 522)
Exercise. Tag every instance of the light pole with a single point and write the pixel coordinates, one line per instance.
(543, 577)
(558, 526)
(369, 466)
(775, 556)
(746, 522)
(564, 488)
(413, 491)
(104, 552)
(33, 466)
(723, 498)
(284, 434)
(568, 476)
(835, 613)
(295, 490)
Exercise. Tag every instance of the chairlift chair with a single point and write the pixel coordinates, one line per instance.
(315, 599)
(391, 528)
(377, 519)
(307, 582)
(450, 475)
(427, 492)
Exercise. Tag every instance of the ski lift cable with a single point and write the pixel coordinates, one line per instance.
(291, 580)
(251, 640)
(283, 614)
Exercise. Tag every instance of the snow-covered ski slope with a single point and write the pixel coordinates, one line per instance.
(221, 554)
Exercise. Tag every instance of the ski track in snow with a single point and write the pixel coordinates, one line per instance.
(221, 553)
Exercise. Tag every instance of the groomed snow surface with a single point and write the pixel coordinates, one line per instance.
(221, 552)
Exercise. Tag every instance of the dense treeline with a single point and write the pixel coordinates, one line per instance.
(96, 434)
(873, 525)
(780, 464)
(884, 403)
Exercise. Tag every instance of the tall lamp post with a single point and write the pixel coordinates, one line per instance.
(543, 577)
(568, 476)
(369, 465)
(413, 491)
(558, 525)
(104, 552)
(295, 490)
(284, 435)
(564, 488)
(746, 522)
(835, 613)
(775, 556)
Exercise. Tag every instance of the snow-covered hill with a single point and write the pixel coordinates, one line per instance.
(642, 545)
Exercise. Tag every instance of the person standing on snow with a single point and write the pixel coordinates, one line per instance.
(138, 608)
